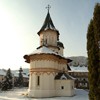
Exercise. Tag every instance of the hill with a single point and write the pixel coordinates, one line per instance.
(78, 61)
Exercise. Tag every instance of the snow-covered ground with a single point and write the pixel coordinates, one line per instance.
(18, 94)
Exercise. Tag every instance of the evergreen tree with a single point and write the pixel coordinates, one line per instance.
(93, 36)
(91, 60)
(96, 24)
(20, 78)
(7, 82)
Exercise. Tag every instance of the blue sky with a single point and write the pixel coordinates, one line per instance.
(20, 20)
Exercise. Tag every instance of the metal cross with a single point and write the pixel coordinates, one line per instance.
(48, 7)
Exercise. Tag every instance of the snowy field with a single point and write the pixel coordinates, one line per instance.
(18, 94)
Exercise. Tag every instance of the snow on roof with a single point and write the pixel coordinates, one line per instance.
(43, 50)
(46, 50)
(63, 77)
(16, 74)
(78, 69)
(25, 76)
(2, 72)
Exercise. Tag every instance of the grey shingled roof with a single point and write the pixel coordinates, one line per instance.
(63, 75)
(48, 24)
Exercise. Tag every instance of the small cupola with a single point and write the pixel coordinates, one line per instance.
(60, 44)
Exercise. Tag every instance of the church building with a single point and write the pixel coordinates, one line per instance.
(48, 67)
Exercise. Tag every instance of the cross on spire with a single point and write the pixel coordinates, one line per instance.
(48, 7)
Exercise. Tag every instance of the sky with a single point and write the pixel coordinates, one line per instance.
(20, 20)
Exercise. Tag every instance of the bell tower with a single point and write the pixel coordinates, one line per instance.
(49, 35)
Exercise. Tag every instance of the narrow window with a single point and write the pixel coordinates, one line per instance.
(46, 41)
(38, 80)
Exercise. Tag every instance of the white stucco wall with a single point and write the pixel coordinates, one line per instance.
(44, 64)
(50, 36)
(68, 87)
(61, 51)
(46, 87)
(62, 66)
(48, 64)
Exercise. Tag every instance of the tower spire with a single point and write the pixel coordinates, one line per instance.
(48, 7)
(48, 23)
